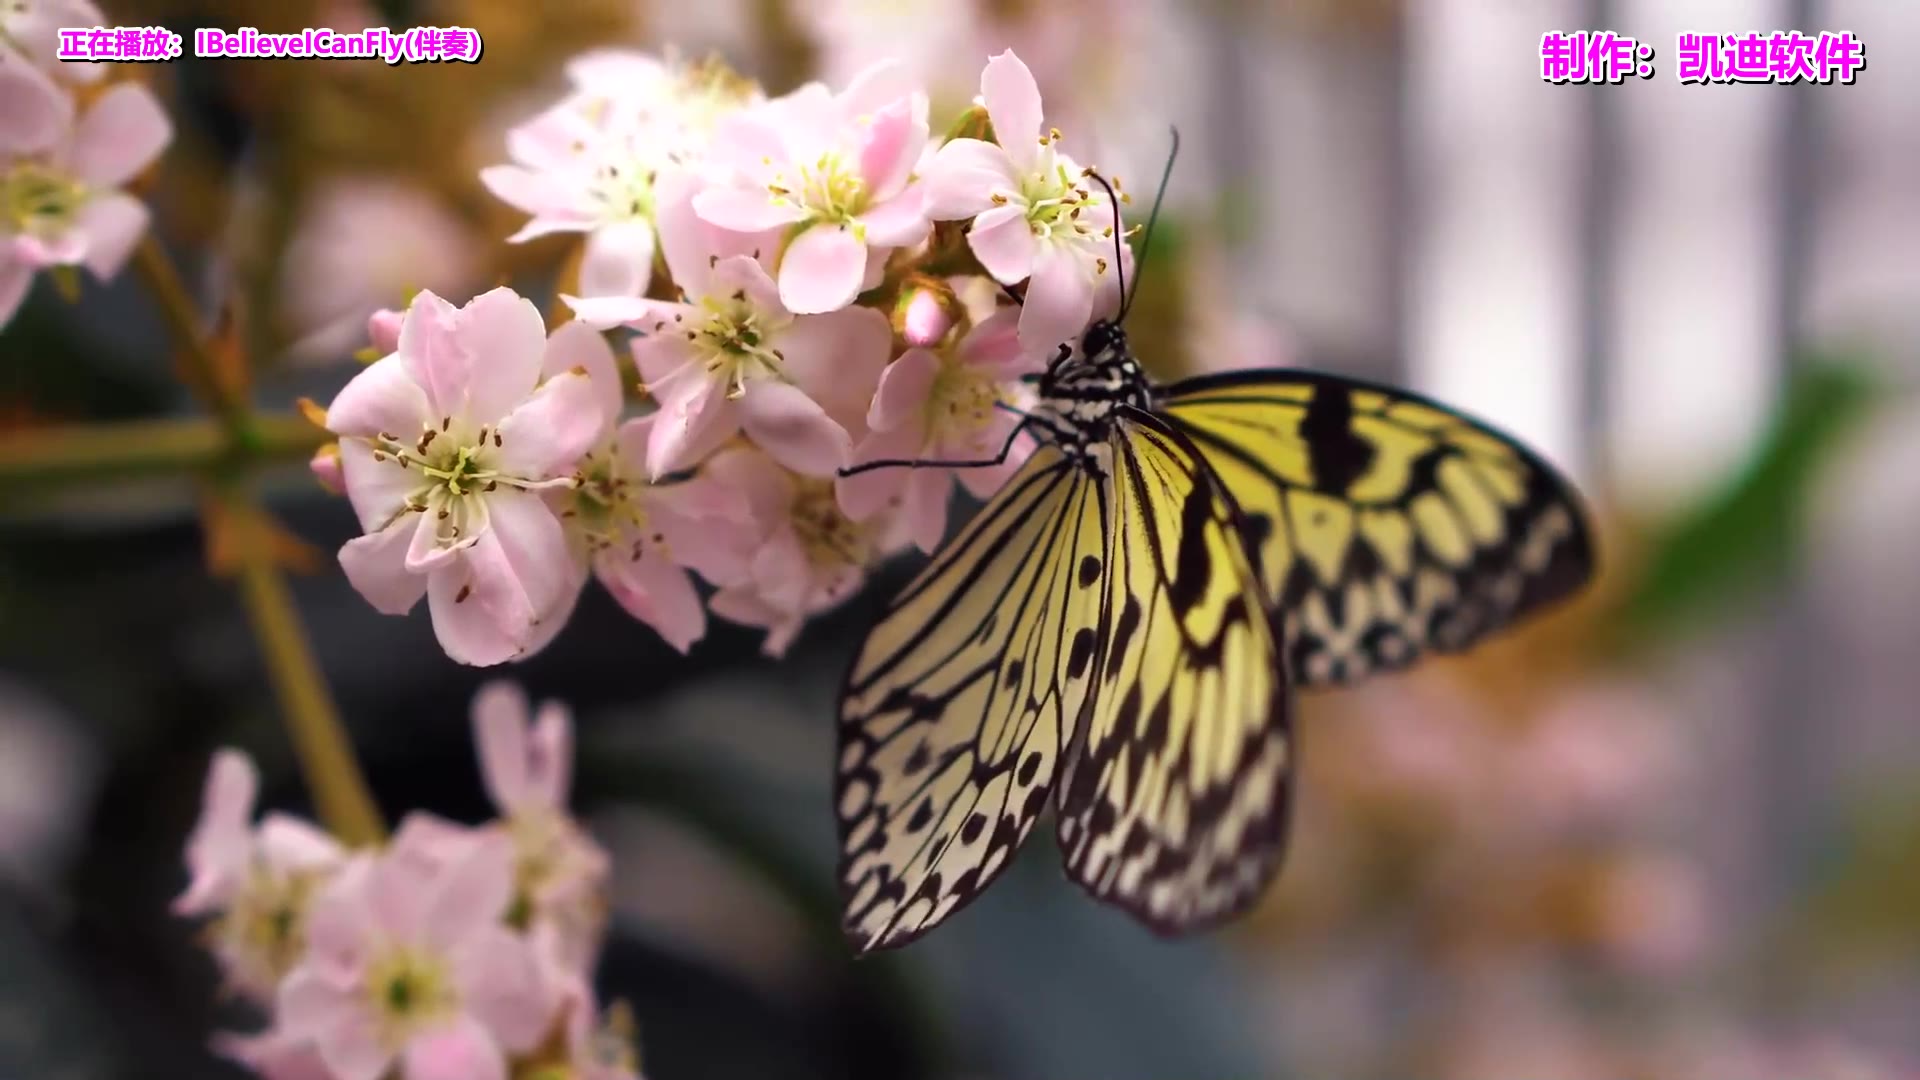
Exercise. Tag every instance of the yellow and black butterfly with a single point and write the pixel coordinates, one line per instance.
(1114, 634)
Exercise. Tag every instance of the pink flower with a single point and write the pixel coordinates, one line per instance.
(924, 319)
(940, 404)
(560, 873)
(383, 330)
(809, 556)
(256, 882)
(639, 537)
(832, 169)
(591, 163)
(1035, 215)
(38, 111)
(273, 1056)
(446, 446)
(363, 243)
(61, 206)
(30, 31)
(598, 1047)
(410, 963)
(734, 358)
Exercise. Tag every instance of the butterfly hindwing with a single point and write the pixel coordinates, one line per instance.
(1384, 526)
(1173, 805)
(957, 705)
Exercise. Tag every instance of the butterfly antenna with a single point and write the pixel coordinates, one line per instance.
(1119, 264)
(1146, 241)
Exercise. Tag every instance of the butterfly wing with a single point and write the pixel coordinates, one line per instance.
(956, 707)
(1385, 526)
(1174, 803)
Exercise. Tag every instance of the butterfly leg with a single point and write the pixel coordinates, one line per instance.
(922, 463)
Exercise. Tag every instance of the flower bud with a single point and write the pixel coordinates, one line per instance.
(925, 312)
(326, 468)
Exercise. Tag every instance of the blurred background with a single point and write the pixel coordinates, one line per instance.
(1670, 831)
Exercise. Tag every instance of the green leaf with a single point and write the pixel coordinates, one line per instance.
(1745, 538)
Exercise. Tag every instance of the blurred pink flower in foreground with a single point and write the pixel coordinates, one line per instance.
(833, 170)
(256, 881)
(30, 31)
(640, 538)
(364, 244)
(61, 206)
(1035, 215)
(560, 873)
(410, 962)
(941, 404)
(734, 358)
(809, 557)
(446, 446)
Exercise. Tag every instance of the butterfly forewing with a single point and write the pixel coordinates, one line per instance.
(1173, 805)
(1384, 526)
(957, 705)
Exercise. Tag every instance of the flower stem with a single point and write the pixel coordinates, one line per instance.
(332, 773)
(69, 454)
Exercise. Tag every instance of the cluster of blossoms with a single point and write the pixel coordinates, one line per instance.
(454, 953)
(803, 283)
(67, 146)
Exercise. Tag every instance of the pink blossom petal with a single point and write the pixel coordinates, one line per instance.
(618, 260)
(821, 270)
(766, 486)
(746, 210)
(1059, 301)
(740, 273)
(888, 148)
(383, 397)
(993, 347)
(15, 279)
(289, 843)
(963, 178)
(540, 192)
(376, 567)
(119, 136)
(500, 734)
(434, 354)
(547, 434)
(460, 1050)
(925, 321)
(535, 547)
(707, 527)
(577, 345)
(378, 489)
(865, 494)
(1013, 103)
(793, 429)
(469, 896)
(746, 607)
(782, 571)
(837, 359)
(383, 330)
(113, 224)
(481, 614)
(272, 1056)
(563, 221)
(553, 619)
(655, 591)
(39, 111)
(924, 510)
(504, 338)
(747, 143)
(691, 244)
(550, 760)
(877, 87)
(501, 986)
(982, 482)
(343, 1029)
(606, 312)
(905, 386)
(898, 222)
(664, 353)
(218, 847)
(689, 426)
(1004, 243)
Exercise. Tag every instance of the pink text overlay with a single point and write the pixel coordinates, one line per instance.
(421, 44)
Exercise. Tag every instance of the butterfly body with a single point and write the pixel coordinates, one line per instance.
(1116, 633)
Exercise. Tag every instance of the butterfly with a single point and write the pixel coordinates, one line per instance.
(1116, 633)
